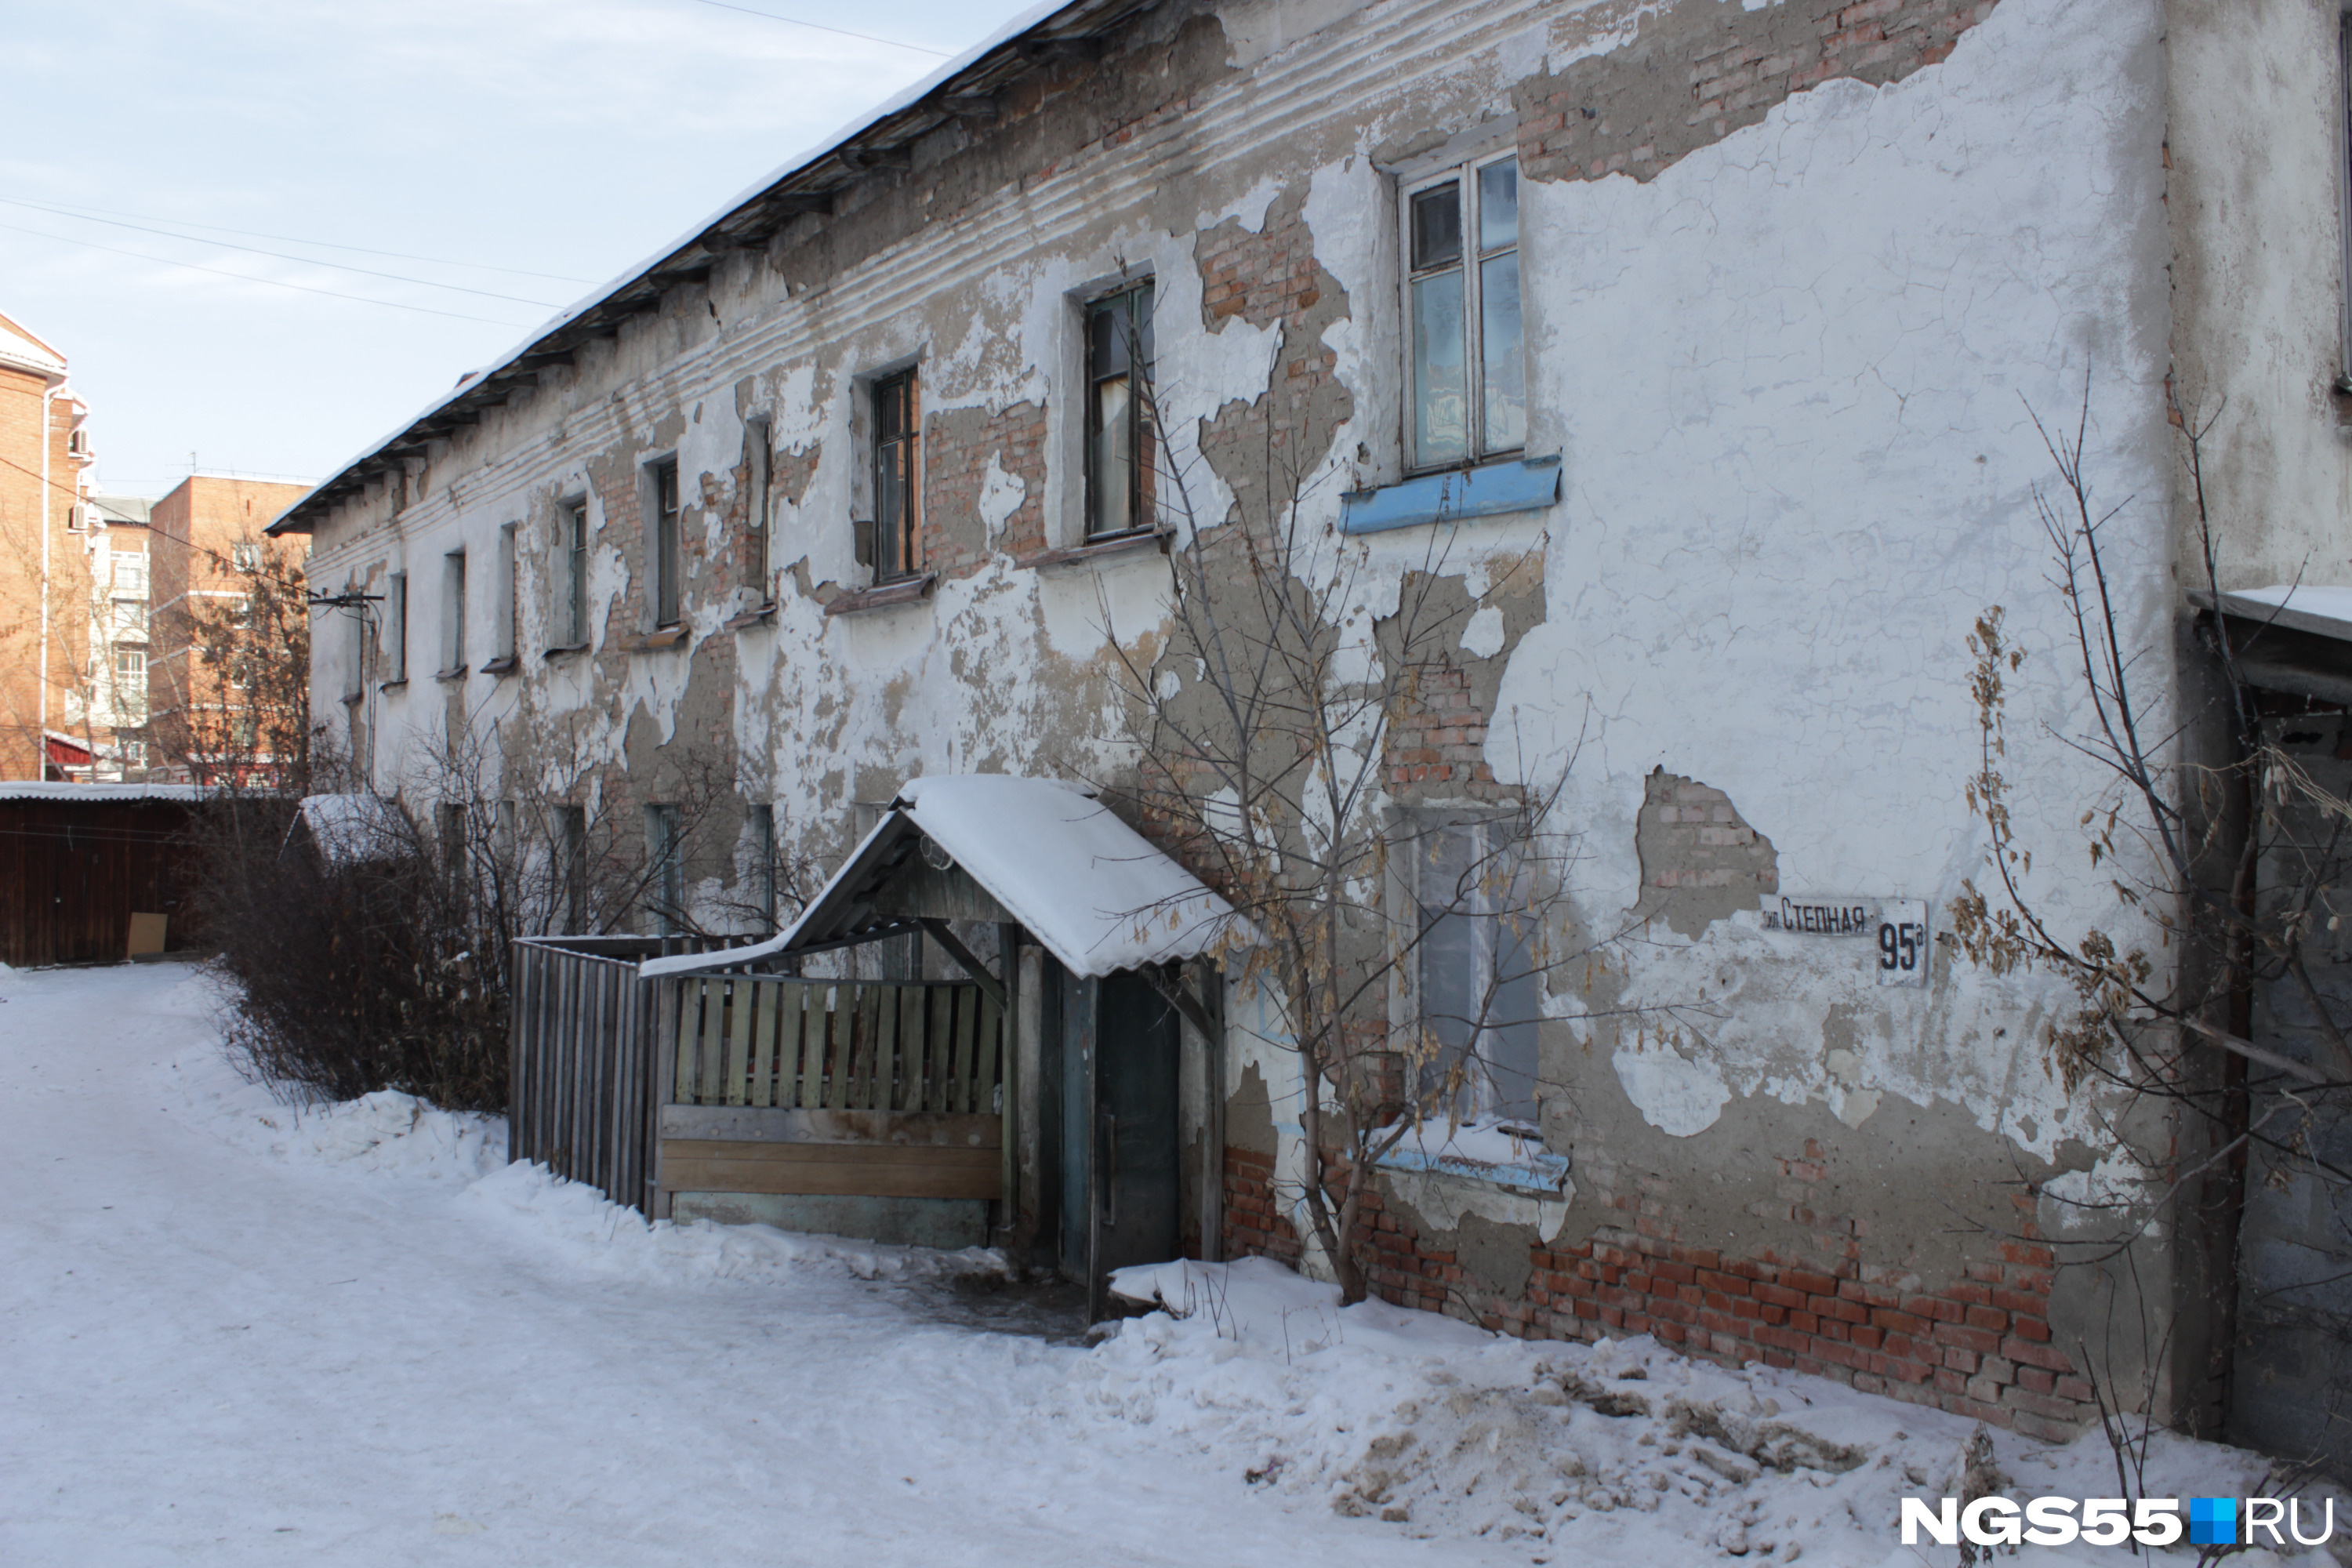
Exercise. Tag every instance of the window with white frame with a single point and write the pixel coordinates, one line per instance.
(453, 613)
(665, 564)
(2344, 205)
(665, 869)
(761, 830)
(572, 574)
(502, 607)
(1465, 374)
(396, 629)
(756, 460)
(1475, 989)
(572, 865)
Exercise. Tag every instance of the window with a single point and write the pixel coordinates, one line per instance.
(572, 559)
(129, 665)
(246, 557)
(134, 753)
(130, 574)
(756, 459)
(453, 613)
(665, 869)
(396, 629)
(504, 607)
(2344, 169)
(763, 834)
(455, 851)
(1468, 379)
(571, 865)
(1119, 433)
(130, 617)
(665, 563)
(1475, 983)
(355, 616)
(898, 477)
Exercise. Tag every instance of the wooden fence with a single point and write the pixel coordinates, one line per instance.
(805, 1088)
(824, 1045)
(74, 869)
(582, 1098)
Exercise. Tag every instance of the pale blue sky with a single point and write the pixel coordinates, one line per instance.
(567, 137)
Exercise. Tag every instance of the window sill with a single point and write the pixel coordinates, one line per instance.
(501, 666)
(390, 686)
(1484, 1153)
(1095, 549)
(1516, 484)
(353, 699)
(904, 592)
(761, 616)
(566, 651)
(655, 641)
(457, 673)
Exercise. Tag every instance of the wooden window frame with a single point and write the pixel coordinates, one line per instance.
(1469, 259)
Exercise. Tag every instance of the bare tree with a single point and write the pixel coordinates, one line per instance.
(1406, 927)
(2231, 869)
(235, 682)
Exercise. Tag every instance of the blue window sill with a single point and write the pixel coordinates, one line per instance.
(1528, 485)
(1525, 1167)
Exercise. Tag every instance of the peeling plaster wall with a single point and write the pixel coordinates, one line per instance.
(1785, 340)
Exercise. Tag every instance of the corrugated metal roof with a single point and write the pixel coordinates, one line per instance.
(89, 793)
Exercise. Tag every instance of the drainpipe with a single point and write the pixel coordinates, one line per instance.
(50, 390)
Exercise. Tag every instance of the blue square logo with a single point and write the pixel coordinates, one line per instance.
(2212, 1521)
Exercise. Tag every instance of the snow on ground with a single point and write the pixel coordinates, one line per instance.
(239, 1333)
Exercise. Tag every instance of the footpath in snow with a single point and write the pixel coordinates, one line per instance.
(237, 1333)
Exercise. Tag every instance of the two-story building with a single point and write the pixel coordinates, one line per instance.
(1700, 348)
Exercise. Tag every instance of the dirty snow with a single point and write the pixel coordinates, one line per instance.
(243, 1333)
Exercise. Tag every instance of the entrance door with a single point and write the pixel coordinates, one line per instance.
(1132, 1206)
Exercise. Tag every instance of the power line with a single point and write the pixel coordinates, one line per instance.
(819, 26)
(75, 209)
(249, 278)
(280, 254)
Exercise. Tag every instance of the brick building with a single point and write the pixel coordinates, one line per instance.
(207, 545)
(1694, 351)
(52, 584)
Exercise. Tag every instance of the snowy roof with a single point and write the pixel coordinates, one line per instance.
(349, 828)
(1096, 893)
(2323, 608)
(29, 790)
(25, 352)
(971, 83)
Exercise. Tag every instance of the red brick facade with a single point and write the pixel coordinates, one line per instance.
(1979, 1346)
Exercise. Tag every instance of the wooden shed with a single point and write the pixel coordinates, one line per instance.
(80, 863)
(1055, 1092)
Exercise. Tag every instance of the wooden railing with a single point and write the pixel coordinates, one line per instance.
(824, 1045)
(828, 1089)
(580, 1096)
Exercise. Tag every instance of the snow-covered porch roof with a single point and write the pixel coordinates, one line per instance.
(1093, 892)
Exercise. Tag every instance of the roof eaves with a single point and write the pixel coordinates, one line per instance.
(963, 89)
